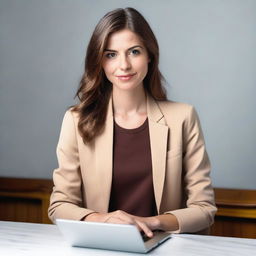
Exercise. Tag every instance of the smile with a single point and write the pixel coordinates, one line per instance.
(125, 77)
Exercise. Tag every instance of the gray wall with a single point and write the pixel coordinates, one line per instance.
(208, 58)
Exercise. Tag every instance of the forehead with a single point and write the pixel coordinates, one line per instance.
(123, 39)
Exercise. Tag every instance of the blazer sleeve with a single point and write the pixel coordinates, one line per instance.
(66, 198)
(200, 204)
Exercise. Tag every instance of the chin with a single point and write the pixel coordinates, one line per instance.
(126, 87)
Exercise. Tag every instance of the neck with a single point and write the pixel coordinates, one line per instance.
(129, 102)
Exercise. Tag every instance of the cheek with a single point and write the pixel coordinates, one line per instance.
(108, 68)
(143, 67)
(109, 71)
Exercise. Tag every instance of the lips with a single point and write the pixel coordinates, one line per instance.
(125, 77)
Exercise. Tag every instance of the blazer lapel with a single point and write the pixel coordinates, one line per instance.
(104, 158)
(158, 132)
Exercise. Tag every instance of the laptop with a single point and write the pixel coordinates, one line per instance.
(118, 237)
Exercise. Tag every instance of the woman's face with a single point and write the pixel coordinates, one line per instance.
(125, 60)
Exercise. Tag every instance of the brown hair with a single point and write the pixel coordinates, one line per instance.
(95, 90)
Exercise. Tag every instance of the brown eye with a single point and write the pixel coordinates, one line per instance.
(110, 55)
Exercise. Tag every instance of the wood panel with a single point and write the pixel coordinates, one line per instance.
(236, 215)
(28, 199)
(25, 199)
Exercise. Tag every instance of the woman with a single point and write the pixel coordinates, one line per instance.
(126, 154)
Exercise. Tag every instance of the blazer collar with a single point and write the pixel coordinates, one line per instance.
(104, 154)
(154, 112)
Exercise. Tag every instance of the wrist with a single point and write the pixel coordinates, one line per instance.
(168, 222)
(155, 222)
(90, 217)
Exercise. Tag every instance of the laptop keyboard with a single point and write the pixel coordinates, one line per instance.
(145, 237)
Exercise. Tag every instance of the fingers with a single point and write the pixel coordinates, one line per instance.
(120, 217)
(144, 228)
(124, 216)
(152, 222)
(114, 220)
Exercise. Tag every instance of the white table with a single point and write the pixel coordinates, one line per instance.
(29, 239)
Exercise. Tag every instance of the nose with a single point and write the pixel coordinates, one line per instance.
(124, 63)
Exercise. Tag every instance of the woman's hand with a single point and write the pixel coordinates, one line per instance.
(166, 222)
(145, 224)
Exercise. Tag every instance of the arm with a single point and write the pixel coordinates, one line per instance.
(200, 206)
(66, 199)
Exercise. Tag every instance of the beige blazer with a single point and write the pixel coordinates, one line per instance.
(182, 186)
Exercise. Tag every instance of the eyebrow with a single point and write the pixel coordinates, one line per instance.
(109, 50)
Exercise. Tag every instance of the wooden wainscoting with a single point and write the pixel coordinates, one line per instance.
(236, 215)
(28, 200)
(25, 200)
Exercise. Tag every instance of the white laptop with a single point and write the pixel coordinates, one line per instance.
(119, 237)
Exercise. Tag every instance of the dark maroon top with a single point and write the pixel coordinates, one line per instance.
(132, 183)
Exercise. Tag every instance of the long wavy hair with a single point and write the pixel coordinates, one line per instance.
(94, 89)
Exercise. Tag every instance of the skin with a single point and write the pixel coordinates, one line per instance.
(126, 55)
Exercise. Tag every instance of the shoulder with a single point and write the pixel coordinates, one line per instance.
(177, 110)
(71, 113)
(180, 115)
(69, 128)
(70, 118)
